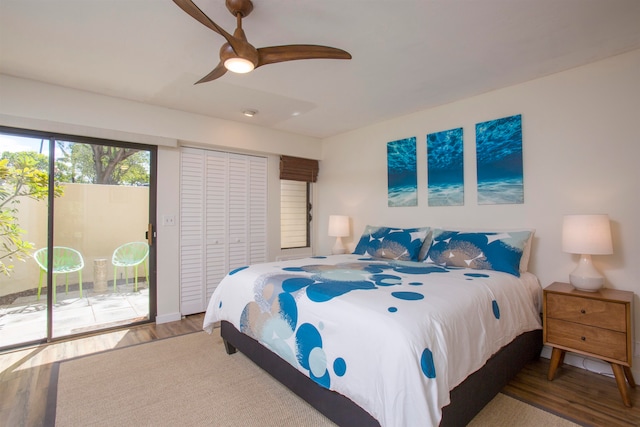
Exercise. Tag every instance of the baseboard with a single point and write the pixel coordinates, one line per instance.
(165, 318)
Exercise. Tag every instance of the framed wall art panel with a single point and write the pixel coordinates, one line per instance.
(499, 161)
(402, 176)
(445, 168)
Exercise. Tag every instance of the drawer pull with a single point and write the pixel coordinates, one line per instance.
(583, 338)
(583, 311)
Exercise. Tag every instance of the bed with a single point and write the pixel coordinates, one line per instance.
(379, 338)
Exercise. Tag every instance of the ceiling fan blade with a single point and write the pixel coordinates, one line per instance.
(292, 52)
(217, 72)
(194, 11)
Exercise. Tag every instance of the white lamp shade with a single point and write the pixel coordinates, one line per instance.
(587, 234)
(338, 225)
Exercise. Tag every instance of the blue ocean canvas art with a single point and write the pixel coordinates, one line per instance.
(445, 174)
(401, 173)
(499, 160)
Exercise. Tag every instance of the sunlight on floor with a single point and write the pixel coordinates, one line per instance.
(31, 357)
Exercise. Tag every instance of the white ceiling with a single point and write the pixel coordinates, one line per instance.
(408, 55)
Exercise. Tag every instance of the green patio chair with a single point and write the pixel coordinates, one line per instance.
(65, 261)
(130, 255)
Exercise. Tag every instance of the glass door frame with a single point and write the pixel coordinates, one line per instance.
(52, 137)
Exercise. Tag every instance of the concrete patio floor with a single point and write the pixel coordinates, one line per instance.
(25, 319)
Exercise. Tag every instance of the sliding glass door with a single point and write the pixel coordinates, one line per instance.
(77, 251)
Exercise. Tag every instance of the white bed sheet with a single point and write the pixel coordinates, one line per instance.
(397, 338)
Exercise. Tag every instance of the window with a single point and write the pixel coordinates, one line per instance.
(295, 214)
(296, 175)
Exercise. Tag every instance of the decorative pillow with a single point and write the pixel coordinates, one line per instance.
(526, 253)
(393, 243)
(499, 251)
(426, 244)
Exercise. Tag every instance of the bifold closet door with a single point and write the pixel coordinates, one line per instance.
(223, 220)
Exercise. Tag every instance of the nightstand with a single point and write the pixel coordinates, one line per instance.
(596, 324)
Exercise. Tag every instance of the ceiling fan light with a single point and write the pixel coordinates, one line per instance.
(238, 65)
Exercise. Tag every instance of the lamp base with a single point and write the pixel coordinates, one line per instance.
(338, 247)
(585, 277)
(586, 283)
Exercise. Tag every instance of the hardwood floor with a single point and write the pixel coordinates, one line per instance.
(584, 397)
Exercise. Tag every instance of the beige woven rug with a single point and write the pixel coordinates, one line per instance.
(190, 380)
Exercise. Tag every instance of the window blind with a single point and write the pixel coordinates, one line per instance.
(298, 169)
(294, 214)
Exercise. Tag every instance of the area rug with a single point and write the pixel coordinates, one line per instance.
(190, 380)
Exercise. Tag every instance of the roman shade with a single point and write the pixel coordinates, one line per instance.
(298, 169)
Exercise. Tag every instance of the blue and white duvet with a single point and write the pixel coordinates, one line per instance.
(394, 337)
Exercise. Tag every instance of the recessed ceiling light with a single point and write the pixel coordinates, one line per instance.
(295, 113)
(250, 113)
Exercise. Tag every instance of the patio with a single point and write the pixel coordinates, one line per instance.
(24, 319)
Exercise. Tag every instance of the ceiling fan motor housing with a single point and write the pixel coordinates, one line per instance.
(227, 52)
(242, 7)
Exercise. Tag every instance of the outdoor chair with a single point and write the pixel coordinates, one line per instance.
(130, 255)
(65, 261)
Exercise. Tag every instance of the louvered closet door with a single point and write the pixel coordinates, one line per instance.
(223, 210)
(192, 248)
(216, 221)
(257, 210)
(238, 211)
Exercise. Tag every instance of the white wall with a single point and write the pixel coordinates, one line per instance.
(34, 105)
(581, 155)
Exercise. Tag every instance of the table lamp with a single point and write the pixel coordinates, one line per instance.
(586, 235)
(338, 228)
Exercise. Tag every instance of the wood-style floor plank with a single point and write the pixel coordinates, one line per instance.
(584, 397)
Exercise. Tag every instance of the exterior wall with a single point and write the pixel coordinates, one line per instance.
(93, 219)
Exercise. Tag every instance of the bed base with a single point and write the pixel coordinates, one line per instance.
(467, 399)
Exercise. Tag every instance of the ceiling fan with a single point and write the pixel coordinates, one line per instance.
(239, 56)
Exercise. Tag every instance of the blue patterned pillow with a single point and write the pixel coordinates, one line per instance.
(499, 251)
(392, 243)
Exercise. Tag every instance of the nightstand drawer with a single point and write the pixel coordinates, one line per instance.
(589, 339)
(604, 314)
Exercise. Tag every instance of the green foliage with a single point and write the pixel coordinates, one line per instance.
(102, 164)
(21, 175)
(12, 246)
